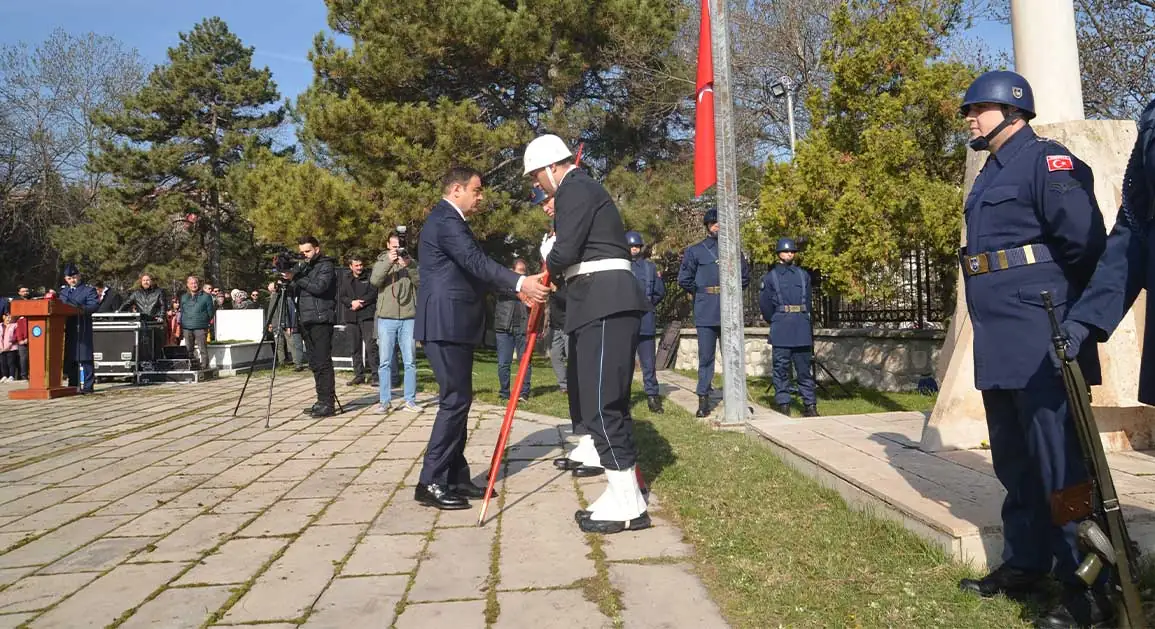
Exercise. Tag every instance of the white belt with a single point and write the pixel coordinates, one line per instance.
(594, 266)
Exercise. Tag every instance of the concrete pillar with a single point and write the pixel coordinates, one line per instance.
(1047, 54)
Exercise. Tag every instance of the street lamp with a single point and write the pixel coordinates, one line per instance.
(785, 87)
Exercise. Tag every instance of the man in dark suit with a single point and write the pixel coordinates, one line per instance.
(109, 299)
(450, 322)
(604, 308)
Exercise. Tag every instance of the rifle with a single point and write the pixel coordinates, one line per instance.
(1096, 500)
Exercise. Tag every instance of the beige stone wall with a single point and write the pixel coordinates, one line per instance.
(887, 360)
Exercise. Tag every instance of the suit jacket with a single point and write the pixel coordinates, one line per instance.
(589, 227)
(455, 276)
(110, 301)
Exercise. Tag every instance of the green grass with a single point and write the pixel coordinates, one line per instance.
(832, 400)
(773, 547)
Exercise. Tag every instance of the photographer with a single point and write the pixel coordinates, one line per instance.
(359, 299)
(395, 277)
(315, 283)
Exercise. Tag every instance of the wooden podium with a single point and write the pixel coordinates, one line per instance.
(46, 321)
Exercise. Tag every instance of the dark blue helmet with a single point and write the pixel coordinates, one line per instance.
(710, 218)
(634, 239)
(1001, 87)
(786, 244)
(70, 270)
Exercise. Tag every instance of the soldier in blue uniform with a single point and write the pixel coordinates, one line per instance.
(655, 290)
(699, 276)
(78, 360)
(786, 302)
(1032, 224)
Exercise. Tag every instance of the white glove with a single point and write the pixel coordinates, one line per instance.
(547, 245)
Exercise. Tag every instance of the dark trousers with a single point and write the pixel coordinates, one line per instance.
(72, 366)
(361, 334)
(508, 344)
(602, 371)
(1035, 450)
(319, 345)
(707, 345)
(10, 365)
(452, 365)
(800, 359)
(23, 351)
(648, 355)
(196, 343)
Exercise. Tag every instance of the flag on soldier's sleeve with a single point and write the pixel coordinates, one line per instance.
(705, 167)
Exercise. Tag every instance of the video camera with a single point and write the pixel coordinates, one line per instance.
(402, 241)
(285, 261)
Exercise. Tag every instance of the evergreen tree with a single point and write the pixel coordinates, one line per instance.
(197, 117)
(881, 171)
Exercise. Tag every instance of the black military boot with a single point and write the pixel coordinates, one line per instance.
(703, 405)
(1008, 580)
(1079, 607)
(811, 411)
(784, 409)
(655, 404)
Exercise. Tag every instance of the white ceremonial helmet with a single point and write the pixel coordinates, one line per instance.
(543, 151)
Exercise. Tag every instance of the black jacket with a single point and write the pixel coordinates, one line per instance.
(509, 314)
(110, 302)
(350, 288)
(151, 303)
(316, 287)
(557, 305)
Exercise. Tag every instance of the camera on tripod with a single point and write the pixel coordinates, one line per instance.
(285, 261)
(402, 241)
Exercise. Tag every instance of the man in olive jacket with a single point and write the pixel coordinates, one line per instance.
(315, 283)
(396, 278)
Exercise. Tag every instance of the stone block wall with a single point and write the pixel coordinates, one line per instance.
(887, 360)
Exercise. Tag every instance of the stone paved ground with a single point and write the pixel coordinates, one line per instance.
(155, 507)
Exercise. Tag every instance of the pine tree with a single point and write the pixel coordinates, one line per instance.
(881, 171)
(198, 117)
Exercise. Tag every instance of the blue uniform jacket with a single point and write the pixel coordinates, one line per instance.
(787, 329)
(653, 288)
(1126, 265)
(82, 297)
(698, 275)
(1031, 191)
(455, 275)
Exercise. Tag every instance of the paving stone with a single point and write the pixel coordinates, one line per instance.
(10, 492)
(293, 582)
(8, 576)
(51, 517)
(662, 596)
(541, 545)
(179, 608)
(62, 541)
(383, 472)
(323, 484)
(40, 500)
(404, 515)
(254, 498)
(385, 554)
(157, 522)
(286, 517)
(520, 477)
(107, 598)
(295, 469)
(238, 475)
(366, 602)
(13, 621)
(355, 460)
(137, 503)
(38, 592)
(99, 556)
(568, 608)
(356, 504)
(236, 561)
(192, 540)
(458, 614)
(406, 450)
(456, 565)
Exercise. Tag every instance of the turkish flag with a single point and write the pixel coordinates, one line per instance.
(705, 166)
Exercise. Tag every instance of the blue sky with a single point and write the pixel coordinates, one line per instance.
(281, 31)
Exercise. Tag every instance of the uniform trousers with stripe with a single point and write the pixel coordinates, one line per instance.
(601, 373)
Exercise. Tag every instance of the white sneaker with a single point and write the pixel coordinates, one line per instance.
(411, 407)
(383, 409)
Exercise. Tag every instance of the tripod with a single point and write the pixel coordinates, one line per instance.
(278, 307)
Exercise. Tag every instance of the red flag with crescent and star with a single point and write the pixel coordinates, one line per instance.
(705, 166)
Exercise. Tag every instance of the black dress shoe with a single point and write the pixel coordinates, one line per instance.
(439, 496)
(323, 411)
(703, 406)
(566, 464)
(588, 471)
(1005, 579)
(1079, 607)
(581, 514)
(469, 490)
(607, 527)
(313, 409)
(655, 404)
